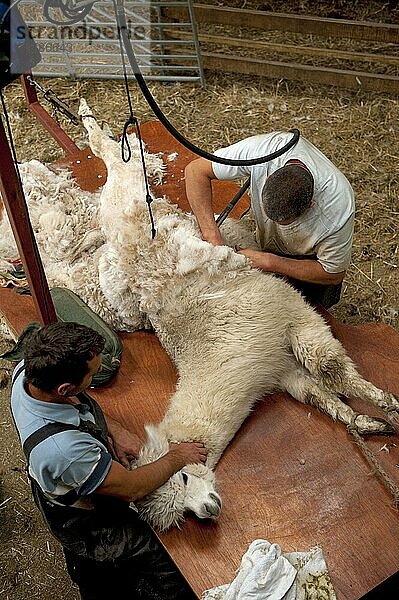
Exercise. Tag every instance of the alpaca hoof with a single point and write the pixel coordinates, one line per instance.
(391, 402)
(393, 417)
(371, 425)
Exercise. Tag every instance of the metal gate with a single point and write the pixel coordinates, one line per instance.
(90, 48)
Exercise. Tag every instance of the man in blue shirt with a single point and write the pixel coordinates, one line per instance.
(78, 461)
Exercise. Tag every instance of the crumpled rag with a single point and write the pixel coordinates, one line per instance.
(266, 573)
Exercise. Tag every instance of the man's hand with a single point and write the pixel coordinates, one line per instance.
(259, 260)
(126, 446)
(188, 453)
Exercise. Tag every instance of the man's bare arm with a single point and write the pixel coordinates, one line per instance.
(198, 175)
(135, 484)
(310, 271)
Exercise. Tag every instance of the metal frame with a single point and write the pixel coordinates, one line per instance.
(45, 118)
(10, 184)
(17, 211)
(91, 48)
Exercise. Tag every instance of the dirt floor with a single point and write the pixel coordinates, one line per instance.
(31, 561)
(357, 131)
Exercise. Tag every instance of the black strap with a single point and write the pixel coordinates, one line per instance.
(50, 429)
(17, 373)
(41, 434)
(98, 414)
(38, 436)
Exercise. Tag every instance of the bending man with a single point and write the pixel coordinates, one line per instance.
(303, 208)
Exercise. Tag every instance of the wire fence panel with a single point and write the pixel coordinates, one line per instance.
(90, 48)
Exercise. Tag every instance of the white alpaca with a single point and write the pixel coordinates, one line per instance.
(233, 332)
(64, 220)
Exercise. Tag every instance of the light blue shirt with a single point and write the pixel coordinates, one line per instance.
(66, 460)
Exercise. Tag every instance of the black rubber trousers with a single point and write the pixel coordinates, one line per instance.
(111, 553)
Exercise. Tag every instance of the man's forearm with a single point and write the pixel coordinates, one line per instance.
(199, 195)
(306, 270)
(113, 425)
(310, 271)
(134, 485)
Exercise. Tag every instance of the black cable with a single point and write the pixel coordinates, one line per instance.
(227, 209)
(133, 120)
(43, 281)
(124, 35)
(78, 13)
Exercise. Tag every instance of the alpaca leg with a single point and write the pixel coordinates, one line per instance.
(119, 293)
(101, 144)
(305, 389)
(316, 349)
(352, 384)
(325, 358)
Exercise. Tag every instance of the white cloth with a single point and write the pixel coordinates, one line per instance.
(267, 574)
(326, 228)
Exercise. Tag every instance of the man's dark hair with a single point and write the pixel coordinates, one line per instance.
(58, 353)
(287, 192)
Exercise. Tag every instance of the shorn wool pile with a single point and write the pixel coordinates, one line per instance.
(233, 332)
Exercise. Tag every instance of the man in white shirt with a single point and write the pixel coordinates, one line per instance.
(303, 207)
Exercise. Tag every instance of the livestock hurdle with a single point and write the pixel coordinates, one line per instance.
(382, 33)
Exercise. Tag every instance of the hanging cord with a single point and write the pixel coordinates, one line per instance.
(125, 145)
(36, 253)
(124, 34)
(75, 12)
(391, 486)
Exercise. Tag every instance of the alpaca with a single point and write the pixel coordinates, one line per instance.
(234, 333)
(64, 220)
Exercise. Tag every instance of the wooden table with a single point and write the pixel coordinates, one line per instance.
(291, 475)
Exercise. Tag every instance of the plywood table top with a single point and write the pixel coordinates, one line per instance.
(291, 475)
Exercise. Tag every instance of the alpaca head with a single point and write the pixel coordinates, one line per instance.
(191, 489)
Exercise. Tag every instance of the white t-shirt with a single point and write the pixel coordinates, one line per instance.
(325, 230)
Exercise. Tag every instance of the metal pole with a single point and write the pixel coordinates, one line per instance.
(17, 210)
(46, 119)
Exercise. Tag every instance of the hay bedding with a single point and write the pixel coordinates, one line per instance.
(357, 131)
